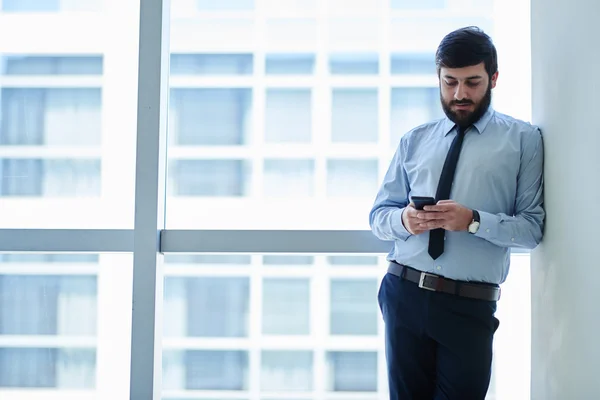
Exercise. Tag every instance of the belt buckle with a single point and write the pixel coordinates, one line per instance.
(425, 275)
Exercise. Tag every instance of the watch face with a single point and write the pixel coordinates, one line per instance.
(474, 227)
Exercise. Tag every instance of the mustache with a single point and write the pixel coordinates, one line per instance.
(461, 102)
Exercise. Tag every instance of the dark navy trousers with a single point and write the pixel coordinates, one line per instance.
(438, 346)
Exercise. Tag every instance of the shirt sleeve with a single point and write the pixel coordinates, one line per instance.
(525, 228)
(385, 217)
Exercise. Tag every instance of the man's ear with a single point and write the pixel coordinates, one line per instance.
(494, 79)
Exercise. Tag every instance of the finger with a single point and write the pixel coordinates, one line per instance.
(410, 207)
(417, 221)
(432, 225)
(423, 225)
(439, 207)
(423, 230)
(411, 212)
(446, 202)
(431, 215)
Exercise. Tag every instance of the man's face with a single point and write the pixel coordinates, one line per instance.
(466, 93)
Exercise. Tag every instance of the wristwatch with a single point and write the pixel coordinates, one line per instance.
(474, 225)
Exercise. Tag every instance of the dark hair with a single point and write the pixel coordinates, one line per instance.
(466, 47)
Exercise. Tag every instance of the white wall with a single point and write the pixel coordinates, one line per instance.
(566, 268)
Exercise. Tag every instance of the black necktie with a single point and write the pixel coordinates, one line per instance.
(436, 236)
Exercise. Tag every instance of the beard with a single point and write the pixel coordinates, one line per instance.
(465, 118)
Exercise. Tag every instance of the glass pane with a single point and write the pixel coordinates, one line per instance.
(412, 107)
(210, 116)
(68, 113)
(190, 302)
(50, 178)
(412, 63)
(289, 178)
(286, 306)
(24, 368)
(48, 305)
(208, 178)
(205, 370)
(286, 371)
(64, 324)
(348, 178)
(290, 64)
(352, 371)
(354, 64)
(354, 116)
(352, 260)
(281, 260)
(43, 65)
(207, 259)
(48, 258)
(288, 116)
(352, 308)
(211, 64)
(37, 117)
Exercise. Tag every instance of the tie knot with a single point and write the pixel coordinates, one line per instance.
(461, 130)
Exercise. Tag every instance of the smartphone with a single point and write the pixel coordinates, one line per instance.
(420, 201)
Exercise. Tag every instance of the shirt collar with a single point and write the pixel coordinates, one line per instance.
(479, 125)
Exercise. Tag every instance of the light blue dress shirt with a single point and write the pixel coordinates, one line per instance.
(499, 173)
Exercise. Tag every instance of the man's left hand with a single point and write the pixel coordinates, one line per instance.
(446, 214)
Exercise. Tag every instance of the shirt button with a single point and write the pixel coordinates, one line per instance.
(487, 230)
(513, 239)
(439, 267)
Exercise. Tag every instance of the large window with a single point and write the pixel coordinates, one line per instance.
(62, 325)
(253, 322)
(68, 114)
(257, 159)
(301, 108)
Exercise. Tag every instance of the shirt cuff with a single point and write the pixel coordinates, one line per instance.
(487, 225)
(397, 225)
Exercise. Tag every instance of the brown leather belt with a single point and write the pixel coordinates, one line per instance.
(436, 283)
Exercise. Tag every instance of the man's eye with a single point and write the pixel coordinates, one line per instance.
(472, 84)
(451, 83)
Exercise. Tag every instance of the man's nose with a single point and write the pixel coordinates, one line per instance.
(460, 93)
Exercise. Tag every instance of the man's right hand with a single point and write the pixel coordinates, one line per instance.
(411, 222)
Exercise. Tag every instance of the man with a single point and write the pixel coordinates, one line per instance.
(484, 170)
